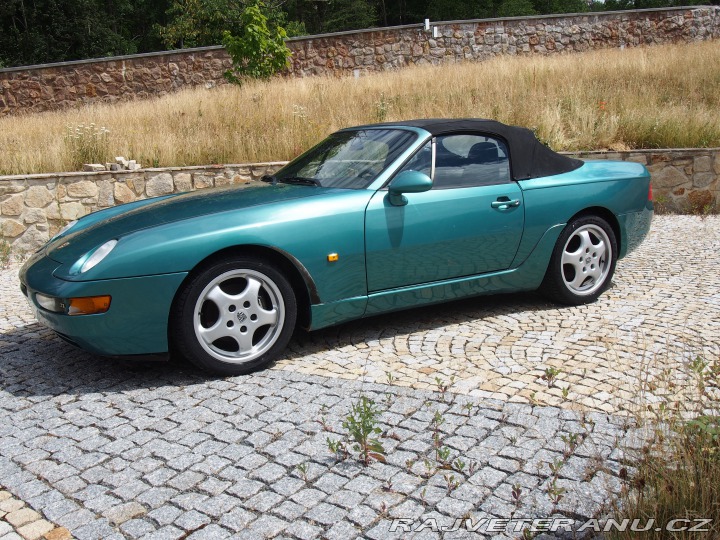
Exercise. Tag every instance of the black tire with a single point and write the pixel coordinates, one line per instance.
(233, 316)
(582, 263)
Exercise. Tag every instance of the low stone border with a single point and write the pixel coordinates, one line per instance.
(34, 207)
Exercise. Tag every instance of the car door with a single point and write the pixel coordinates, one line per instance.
(469, 223)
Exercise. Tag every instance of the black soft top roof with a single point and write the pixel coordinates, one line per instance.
(529, 158)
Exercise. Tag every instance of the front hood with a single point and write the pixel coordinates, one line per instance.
(68, 248)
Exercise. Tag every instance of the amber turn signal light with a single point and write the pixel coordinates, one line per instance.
(88, 305)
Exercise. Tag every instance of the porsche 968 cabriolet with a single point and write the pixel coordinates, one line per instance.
(373, 219)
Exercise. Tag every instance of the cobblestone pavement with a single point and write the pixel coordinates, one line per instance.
(663, 308)
(114, 449)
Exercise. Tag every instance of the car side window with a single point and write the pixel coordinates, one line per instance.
(421, 160)
(467, 160)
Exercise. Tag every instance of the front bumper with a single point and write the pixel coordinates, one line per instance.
(135, 324)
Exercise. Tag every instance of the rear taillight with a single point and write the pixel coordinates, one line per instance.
(650, 192)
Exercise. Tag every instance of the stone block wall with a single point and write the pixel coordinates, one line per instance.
(35, 207)
(53, 86)
(476, 40)
(57, 86)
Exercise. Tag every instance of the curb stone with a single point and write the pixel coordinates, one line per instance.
(18, 520)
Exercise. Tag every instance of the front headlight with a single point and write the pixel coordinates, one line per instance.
(98, 255)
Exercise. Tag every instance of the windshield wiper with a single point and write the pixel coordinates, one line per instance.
(300, 180)
(269, 178)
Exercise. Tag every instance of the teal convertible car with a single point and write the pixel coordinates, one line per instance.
(373, 219)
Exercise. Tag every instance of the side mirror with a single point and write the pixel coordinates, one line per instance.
(407, 182)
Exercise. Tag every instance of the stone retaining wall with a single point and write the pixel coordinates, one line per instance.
(52, 86)
(34, 207)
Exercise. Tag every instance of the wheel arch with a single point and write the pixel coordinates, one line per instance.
(608, 216)
(554, 285)
(300, 279)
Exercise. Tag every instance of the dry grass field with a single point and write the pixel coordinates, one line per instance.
(665, 96)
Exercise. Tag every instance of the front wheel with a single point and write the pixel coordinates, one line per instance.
(582, 263)
(234, 316)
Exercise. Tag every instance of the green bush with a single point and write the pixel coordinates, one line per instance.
(258, 51)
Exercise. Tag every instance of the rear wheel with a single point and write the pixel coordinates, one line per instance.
(234, 316)
(582, 263)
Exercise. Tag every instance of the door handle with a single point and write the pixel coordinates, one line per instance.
(505, 204)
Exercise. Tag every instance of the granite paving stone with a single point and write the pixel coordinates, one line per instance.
(237, 519)
(192, 520)
(165, 533)
(342, 530)
(120, 449)
(165, 515)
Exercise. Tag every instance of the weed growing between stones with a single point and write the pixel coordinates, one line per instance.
(442, 453)
(20, 255)
(5, 254)
(443, 465)
(451, 483)
(388, 396)
(339, 448)
(362, 430)
(302, 469)
(677, 475)
(323, 419)
(444, 386)
(8, 254)
(571, 443)
(555, 492)
(704, 209)
(517, 493)
(362, 427)
(550, 376)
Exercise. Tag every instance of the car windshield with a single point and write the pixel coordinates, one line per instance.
(348, 159)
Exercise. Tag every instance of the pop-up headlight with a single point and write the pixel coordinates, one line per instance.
(98, 255)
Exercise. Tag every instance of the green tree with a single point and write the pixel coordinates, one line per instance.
(42, 31)
(452, 10)
(349, 15)
(515, 8)
(198, 23)
(258, 50)
(560, 6)
(641, 4)
(447, 10)
(334, 15)
(405, 11)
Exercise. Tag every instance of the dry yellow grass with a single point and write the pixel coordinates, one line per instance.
(664, 96)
